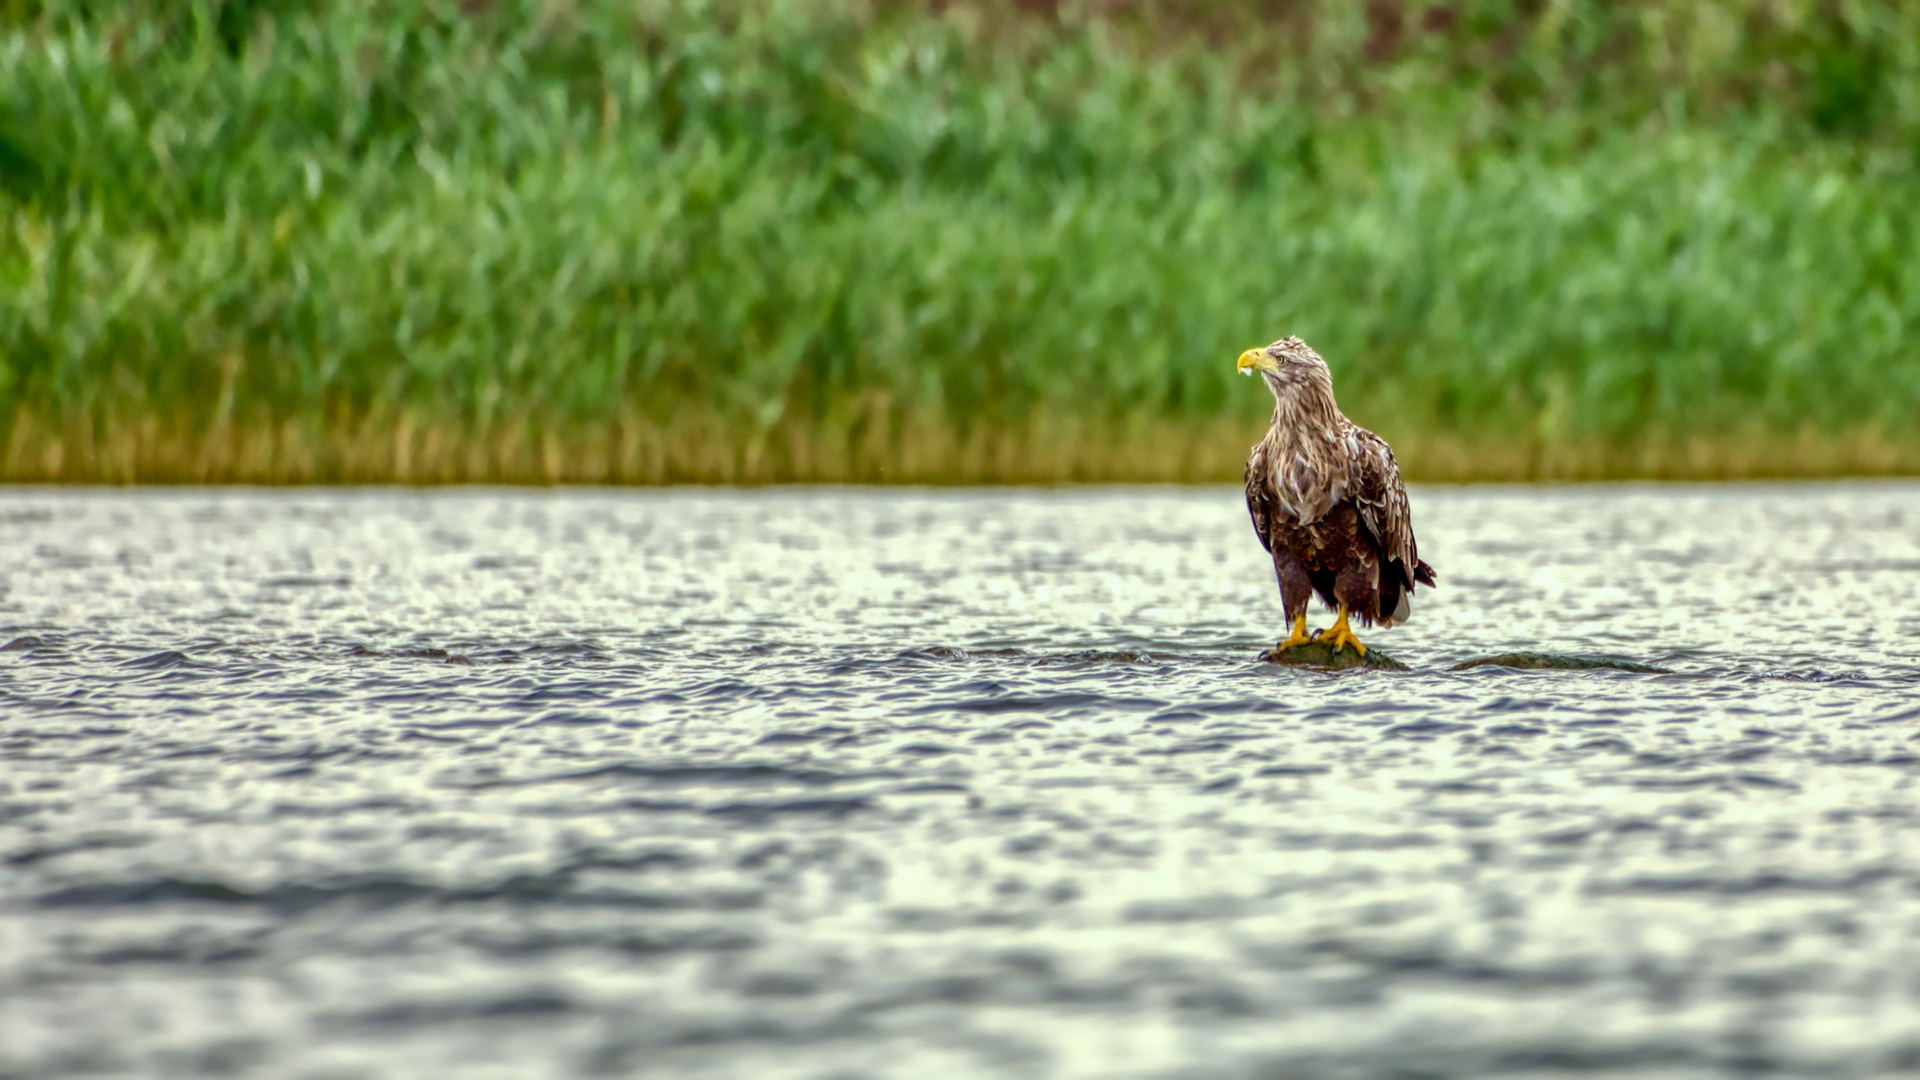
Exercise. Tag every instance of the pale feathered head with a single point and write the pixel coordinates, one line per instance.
(1288, 365)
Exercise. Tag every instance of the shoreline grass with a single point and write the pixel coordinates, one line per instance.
(406, 452)
(680, 240)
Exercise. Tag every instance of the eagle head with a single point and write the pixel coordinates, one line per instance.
(1287, 363)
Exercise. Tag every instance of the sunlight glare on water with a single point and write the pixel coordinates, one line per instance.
(850, 783)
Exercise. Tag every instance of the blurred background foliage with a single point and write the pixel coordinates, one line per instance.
(288, 240)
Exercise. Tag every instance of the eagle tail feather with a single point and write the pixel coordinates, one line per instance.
(1392, 607)
(1401, 610)
(1422, 573)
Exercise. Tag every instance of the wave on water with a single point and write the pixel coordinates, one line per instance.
(605, 783)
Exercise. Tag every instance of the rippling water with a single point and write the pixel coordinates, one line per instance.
(846, 783)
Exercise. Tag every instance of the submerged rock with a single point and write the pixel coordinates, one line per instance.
(1316, 654)
(1541, 661)
(1324, 657)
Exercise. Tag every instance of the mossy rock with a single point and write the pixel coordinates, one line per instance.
(1324, 657)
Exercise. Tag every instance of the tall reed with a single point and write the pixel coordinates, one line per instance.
(811, 239)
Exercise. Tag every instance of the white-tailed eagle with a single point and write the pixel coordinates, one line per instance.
(1328, 503)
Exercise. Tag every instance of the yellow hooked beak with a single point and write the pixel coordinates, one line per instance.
(1256, 358)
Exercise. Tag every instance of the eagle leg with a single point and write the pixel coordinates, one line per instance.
(1340, 634)
(1299, 635)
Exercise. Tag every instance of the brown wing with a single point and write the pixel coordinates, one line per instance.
(1259, 499)
(1381, 498)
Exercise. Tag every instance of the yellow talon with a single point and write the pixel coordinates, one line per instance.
(1299, 635)
(1340, 634)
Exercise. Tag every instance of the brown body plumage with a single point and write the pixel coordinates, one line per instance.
(1327, 501)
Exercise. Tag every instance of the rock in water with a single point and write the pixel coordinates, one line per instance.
(1317, 654)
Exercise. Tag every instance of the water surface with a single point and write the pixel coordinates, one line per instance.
(867, 783)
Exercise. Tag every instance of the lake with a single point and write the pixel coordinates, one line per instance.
(837, 783)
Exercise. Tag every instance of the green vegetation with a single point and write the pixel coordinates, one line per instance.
(813, 239)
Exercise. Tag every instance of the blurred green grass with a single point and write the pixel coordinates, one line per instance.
(821, 240)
